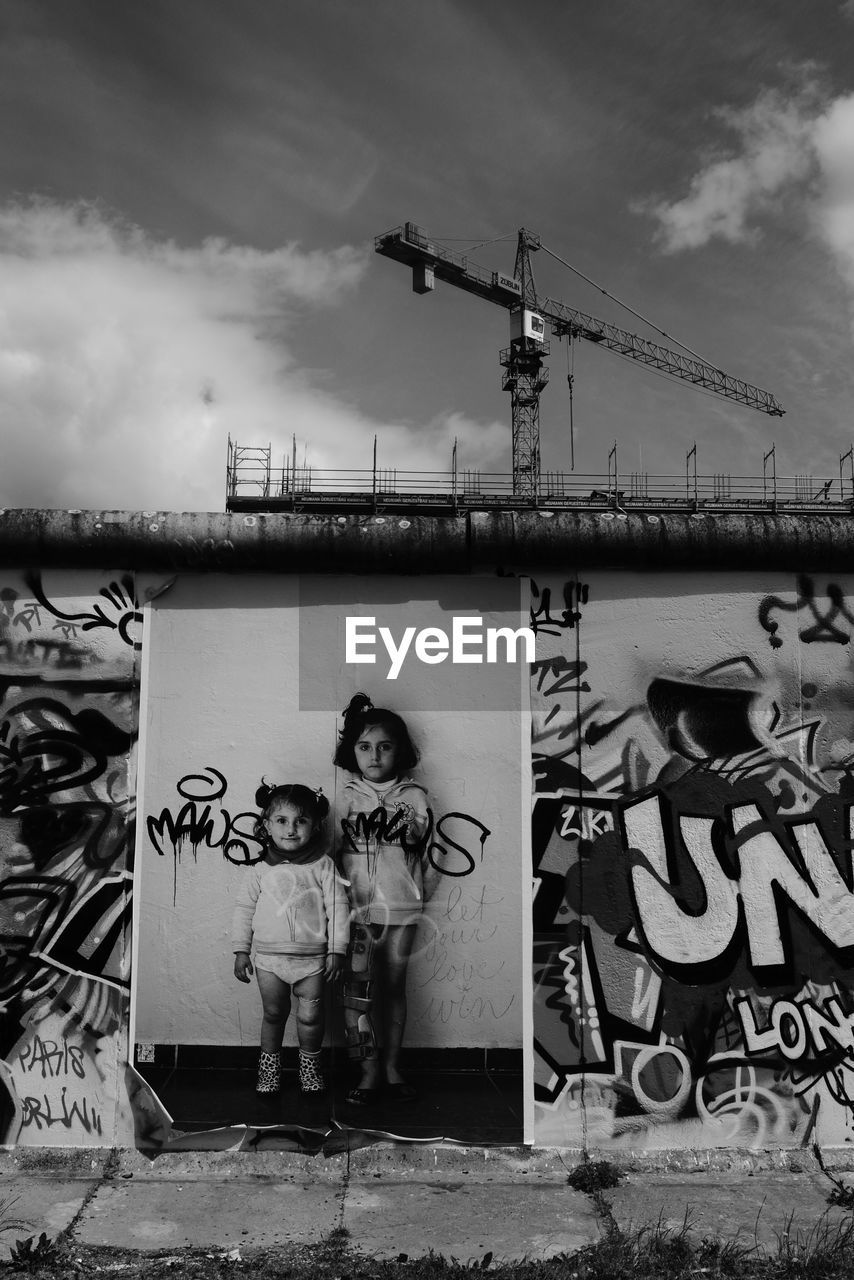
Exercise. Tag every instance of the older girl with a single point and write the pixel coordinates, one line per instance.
(386, 830)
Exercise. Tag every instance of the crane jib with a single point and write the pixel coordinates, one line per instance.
(430, 261)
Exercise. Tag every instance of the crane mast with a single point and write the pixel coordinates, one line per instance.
(525, 374)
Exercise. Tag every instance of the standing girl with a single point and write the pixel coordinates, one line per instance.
(295, 907)
(386, 828)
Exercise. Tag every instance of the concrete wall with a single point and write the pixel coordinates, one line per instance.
(691, 759)
(69, 682)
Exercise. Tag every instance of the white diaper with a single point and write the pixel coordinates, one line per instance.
(290, 968)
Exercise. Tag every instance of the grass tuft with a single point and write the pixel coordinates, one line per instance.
(823, 1252)
(661, 1252)
(7, 1221)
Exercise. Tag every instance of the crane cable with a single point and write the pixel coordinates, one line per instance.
(631, 310)
(570, 379)
(637, 314)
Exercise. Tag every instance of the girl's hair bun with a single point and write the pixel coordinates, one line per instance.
(357, 707)
(262, 795)
(322, 805)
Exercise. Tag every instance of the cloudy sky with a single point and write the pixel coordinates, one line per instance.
(189, 192)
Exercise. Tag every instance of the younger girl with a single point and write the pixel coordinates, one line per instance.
(386, 828)
(296, 907)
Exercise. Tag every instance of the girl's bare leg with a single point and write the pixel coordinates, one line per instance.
(309, 997)
(276, 1003)
(396, 950)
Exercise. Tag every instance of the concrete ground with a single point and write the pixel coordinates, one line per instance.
(394, 1198)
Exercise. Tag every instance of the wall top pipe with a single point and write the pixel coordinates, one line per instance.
(398, 542)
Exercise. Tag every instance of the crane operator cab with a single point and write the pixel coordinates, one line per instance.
(526, 324)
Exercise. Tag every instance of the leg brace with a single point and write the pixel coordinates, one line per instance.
(357, 993)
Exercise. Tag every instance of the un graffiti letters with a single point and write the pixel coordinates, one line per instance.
(748, 910)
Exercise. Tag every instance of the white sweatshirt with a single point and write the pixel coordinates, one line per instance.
(292, 909)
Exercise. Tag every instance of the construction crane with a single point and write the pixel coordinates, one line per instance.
(525, 373)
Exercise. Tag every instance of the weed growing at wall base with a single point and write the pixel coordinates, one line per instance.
(594, 1175)
(35, 1252)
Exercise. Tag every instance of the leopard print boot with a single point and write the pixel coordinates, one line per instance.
(310, 1076)
(269, 1073)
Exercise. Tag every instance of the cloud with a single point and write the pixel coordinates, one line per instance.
(776, 137)
(126, 361)
(833, 140)
(800, 147)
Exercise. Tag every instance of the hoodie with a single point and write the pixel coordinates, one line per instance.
(386, 837)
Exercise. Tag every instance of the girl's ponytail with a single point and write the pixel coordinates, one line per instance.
(263, 794)
(322, 804)
(355, 711)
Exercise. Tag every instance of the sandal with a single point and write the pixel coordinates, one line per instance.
(401, 1092)
(363, 1097)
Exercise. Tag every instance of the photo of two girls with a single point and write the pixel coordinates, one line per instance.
(331, 901)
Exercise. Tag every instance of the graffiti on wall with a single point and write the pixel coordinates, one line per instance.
(68, 731)
(693, 830)
(200, 820)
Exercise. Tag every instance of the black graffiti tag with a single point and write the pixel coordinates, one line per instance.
(45, 1111)
(51, 1058)
(120, 601)
(444, 849)
(575, 594)
(824, 627)
(566, 676)
(34, 765)
(197, 823)
(385, 828)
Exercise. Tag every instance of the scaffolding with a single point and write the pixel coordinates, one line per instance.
(255, 485)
